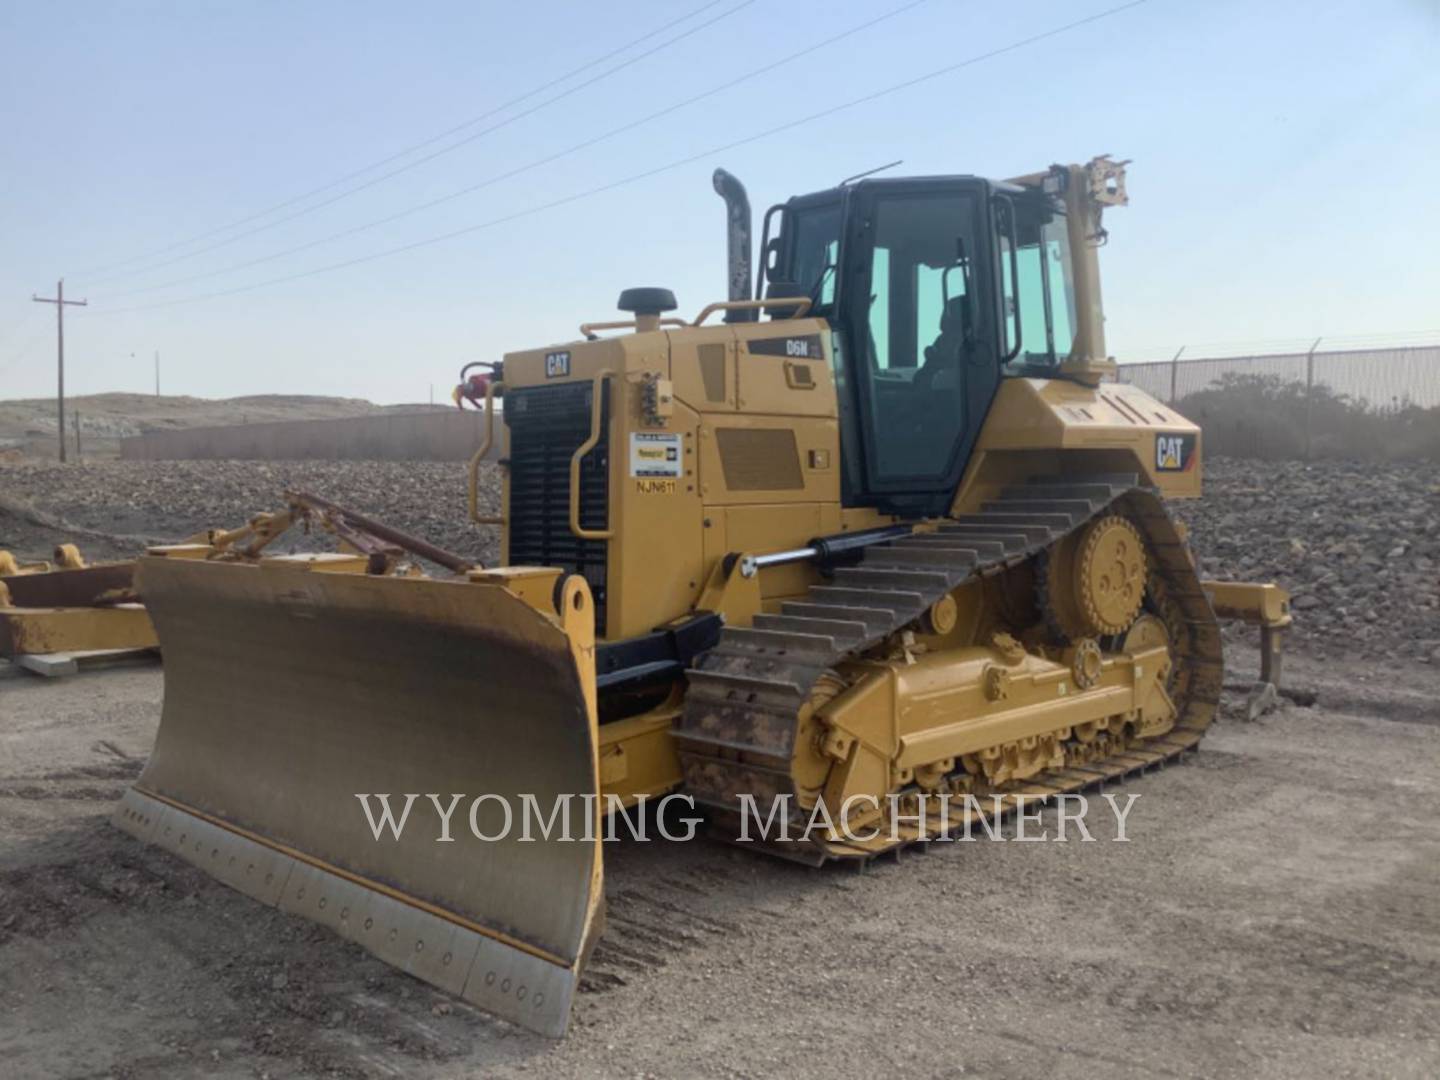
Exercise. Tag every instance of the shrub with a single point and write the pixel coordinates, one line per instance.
(1267, 416)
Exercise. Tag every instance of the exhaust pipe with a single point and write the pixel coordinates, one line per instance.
(737, 241)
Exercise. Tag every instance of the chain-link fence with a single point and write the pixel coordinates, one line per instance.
(1359, 403)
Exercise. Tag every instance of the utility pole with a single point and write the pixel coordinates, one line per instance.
(157, 372)
(1310, 393)
(59, 301)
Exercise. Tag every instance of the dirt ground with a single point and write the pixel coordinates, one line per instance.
(1276, 912)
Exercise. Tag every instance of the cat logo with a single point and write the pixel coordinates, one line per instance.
(557, 365)
(1174, 453)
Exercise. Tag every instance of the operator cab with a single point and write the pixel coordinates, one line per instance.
(935, 288)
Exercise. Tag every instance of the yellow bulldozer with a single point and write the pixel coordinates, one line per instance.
(885, 532)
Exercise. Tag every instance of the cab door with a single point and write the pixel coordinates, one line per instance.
(917, 312)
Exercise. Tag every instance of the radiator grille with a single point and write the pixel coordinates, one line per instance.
(547, 424)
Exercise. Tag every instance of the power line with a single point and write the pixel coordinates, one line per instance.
(30, 316)
(432, 156)
(20, 353)
(537, 163)
(104, 270)
(647, 174)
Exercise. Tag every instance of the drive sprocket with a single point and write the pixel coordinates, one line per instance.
(1110, 571)
(1092, 583)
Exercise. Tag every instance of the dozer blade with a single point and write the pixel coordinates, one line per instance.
(289, 692)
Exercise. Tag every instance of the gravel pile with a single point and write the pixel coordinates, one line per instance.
(169, 500)
(1358, 545)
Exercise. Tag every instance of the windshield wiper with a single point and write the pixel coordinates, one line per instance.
(819, 286)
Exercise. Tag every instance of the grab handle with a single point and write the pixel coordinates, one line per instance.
(596, 403)
(801, 304)
(479, 456)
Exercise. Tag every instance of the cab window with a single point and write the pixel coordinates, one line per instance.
(1038, 291)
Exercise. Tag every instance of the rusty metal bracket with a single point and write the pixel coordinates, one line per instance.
(371, 537)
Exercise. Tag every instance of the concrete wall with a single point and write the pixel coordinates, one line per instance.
(427, 436)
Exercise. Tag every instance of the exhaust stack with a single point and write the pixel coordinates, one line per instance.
(737, 242)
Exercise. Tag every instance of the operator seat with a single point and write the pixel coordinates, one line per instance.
(941, 369)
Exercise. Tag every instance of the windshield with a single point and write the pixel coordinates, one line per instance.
(1039, 311)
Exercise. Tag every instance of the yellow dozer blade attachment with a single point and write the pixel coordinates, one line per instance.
(289, 692)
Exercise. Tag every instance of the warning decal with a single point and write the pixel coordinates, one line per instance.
(654, 454)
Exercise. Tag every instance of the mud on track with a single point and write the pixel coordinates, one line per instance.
(1277, 911)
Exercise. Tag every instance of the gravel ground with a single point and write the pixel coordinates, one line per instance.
(1276, 912)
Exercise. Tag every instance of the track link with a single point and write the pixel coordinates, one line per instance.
(746, 696)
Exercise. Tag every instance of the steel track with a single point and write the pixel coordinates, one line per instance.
(737, 731)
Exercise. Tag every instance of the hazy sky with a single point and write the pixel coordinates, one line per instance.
(1286, 157)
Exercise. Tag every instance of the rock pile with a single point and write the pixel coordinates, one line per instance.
(1358, 545)
(168, 500)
